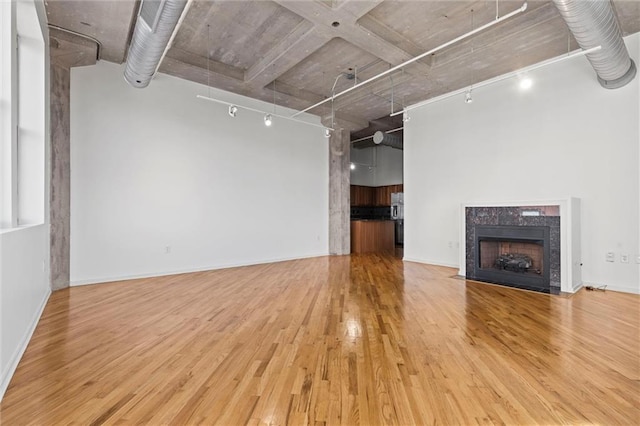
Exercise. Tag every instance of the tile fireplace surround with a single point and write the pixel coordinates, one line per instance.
(560, 217)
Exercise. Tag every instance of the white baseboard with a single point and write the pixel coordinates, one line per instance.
(7, 374)
(107, 279)
(431, 262)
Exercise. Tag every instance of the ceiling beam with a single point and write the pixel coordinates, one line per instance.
(374, 44)
(380, 87)
(300, 43)
(193, 67)
(69, 50)
(218, 68)
(306, 38)
(373, 25)
(347, 15)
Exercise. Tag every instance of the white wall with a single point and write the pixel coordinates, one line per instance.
(565, 137)
(376, 166)
(365, 166)
(24, 290)
(24, 251)
(155, 168)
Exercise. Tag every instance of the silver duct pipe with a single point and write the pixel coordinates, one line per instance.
(387, 139)
(154, 27)
(594, 23)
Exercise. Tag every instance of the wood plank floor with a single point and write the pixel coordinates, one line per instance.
(361, 339)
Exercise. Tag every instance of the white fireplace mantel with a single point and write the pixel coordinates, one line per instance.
(570, 250)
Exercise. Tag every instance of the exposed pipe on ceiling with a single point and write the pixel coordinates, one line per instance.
(417, 58)
(594, 23)
(386, 139)
(155, 27)
(397, 129)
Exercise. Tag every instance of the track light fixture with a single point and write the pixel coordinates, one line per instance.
(352, 166)
(526, 83)
(570, 56)
(268, 117)
(467, 97)
(405, 117)
(233, 108)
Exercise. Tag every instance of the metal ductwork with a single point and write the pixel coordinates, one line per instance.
(594, 23)
(387, 139)
(155, 25)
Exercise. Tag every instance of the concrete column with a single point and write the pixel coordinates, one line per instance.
(59, 213)
(339, 192)
(67, 51)
(340, 180)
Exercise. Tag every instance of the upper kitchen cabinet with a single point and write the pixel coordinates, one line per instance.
(370, 196)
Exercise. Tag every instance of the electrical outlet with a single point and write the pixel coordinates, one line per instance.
(611, 256)
(624, 258)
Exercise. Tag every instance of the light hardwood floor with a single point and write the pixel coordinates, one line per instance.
(361, 339)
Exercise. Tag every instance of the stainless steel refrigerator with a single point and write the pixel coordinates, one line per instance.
(397, 214)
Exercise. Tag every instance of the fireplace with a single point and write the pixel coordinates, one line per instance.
(517, 256)
(520, 246)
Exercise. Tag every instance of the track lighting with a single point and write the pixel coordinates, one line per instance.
(327, 133)
(467, 97)
(417, 58)
(352, 166)
(268, 117)
(526, 83)
(405, 117)
(543, 64)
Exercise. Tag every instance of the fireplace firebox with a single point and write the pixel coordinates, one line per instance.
(517, 256)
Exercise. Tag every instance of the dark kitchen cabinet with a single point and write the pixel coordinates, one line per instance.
(373, 196)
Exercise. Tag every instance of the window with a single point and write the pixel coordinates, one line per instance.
(8, 212)
(22, 115)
